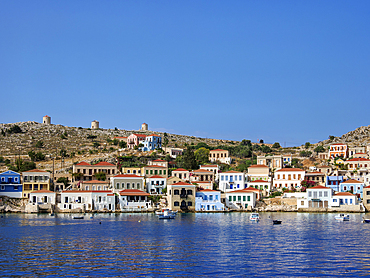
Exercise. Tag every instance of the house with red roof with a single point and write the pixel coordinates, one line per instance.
(354, 186)
(343, 199)
(84, 171)
(243, 199)
(181, 174)
(134, 200)
(338, 150)
(127, 181)
(366, 197)
(135, 139)
(288, 178)
(181, 196)
(152, 142)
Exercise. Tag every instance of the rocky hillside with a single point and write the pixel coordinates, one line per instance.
(358, 137)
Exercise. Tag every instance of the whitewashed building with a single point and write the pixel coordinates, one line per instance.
(231, 180)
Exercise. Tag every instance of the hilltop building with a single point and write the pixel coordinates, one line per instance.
(144, 127)
(46, 120)
(94, 125)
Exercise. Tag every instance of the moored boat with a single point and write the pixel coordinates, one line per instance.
(254, 217)
(276, 222)
(342, 217)
(78, 217)
(365, 220)
(167, 215)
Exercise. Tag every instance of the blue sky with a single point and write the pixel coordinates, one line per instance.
(283, 71)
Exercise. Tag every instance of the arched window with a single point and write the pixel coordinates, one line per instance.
(176, 192)
(190, 192)
(176, 204)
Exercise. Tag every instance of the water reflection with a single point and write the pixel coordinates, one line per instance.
(190, 245)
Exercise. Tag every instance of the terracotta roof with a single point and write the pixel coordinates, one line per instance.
(95, 181)
(251, 189)
(319, 187)
(180, 169)
(360, 153)
(156, 177)
(351, 181)
(232, 172)
(42, 191)
(259, 181)
(120, 137)
(337, 144)
(290, 169)
(140, 135)
(126, 176)
(218, 150)
(83, 163)
(213, 165)
(104, 163)
(133, 192)
(110, 194)
(258, 166)
(154, 135)
(159, 160)
(36, 170)
(47, 116)
(344, 194)
(202, 171)
(359, 159)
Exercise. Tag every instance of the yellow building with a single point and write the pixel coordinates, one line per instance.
(34, 180)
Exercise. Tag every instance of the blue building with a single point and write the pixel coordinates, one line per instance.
(208, 200)
(354, 186)
(333, 182)
(10, 184)
(152, 142)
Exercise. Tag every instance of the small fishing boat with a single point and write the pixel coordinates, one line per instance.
(254, 217)
(365, 220)
(161, 212)
(78, 217)
(342, 217)
(276, 222)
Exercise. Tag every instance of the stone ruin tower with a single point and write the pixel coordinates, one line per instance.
(46, 120)
(144, 126)
(94, 125)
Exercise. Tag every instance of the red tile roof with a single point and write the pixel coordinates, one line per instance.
(83, 163)
(140, 135)
(258, 166)
(155, 166)
(154, 135)
(104, 163)
(95, 181)
(344, 194)
(218, 150)
(180, 169)
(36, 170)
(120, 137)
(352, 181)
(359, 159)
(290, 169)
(182, 183)
(337, 144)
(156, 177)
(251, 189)
(240, 191)
(259, 181)
(232, 172)
(42, 191)
(159, 160)
(133, 192)
(319, 187)
(211, 165)
(202, 171)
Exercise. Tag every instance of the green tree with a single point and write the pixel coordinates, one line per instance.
(202, 155)
(63, 153)
(101, 176)
(39, 156)
(63, 180)
(276, 145)
(165, 139)
(22, 166)
(261, 141)
(14, 129)
(319, 149)
(189, 161)
(96, 144)
(307, 145)
(39, 144)
(122, 144)
(115, 141)
(331, 137)
(265, 149)
(305, 153)
(245, 142)
(202, 145)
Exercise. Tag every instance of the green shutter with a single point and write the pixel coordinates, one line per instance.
(249, 198)
(243, 198)
(230, 198)
(234, 197)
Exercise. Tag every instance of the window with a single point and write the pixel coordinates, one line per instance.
(15, 179)
(190, 192)
(230, 199)
(147, 172)
(248, 198)
(239, 198)
(320, 193)
(244, 198)
(278, 176)
(151, 172)
(309, 194)
(240, 177)
(176, 204)
(350, 201)
(302, 203)
(325, 193)
(176, 192)
(299, 176)
(3, 187)
(128, 185)
(226, 178)
(222, 178)
(164, 172)
(234, 198)
(190, 204)
(345, 188)
(138, 185)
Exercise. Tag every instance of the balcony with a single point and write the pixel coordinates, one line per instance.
(183, 195)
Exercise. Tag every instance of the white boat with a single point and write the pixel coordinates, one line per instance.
(254, 217)
(167, 214)
(161, 212)
(342, 217)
